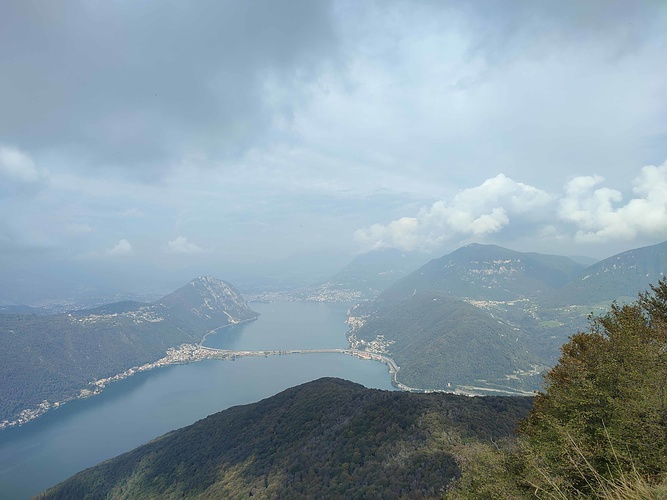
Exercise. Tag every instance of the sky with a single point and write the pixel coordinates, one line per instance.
(158, 140)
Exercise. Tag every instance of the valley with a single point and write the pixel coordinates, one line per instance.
(477, 322)
(134, 410)
(483, 319)
(333, 249)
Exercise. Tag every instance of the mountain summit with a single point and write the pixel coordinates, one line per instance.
(207, 297)
(490, 272)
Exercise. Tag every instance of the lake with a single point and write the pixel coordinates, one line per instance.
(135, 410)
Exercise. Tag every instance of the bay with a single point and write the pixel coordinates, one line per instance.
(133, 411)
(287, 325)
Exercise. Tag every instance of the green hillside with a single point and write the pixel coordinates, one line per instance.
(619, 276)
(53, 358)
(325, 439)
(441, 343)
(467, 319)
(519, 308)
(490, 272)
(599, 428)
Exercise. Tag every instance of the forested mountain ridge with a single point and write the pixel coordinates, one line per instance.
(449, 324)
(535, 300)
(325, 439)
(49, 359)
(208, 298)
(489, 272)
(445, 343)
(619, 276)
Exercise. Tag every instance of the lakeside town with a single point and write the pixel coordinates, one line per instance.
(188, 353)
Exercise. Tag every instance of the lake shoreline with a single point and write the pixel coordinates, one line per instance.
(173, 356)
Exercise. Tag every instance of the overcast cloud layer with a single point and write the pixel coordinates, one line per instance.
(205, 137)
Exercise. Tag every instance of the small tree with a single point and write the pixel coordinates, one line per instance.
(603, 412)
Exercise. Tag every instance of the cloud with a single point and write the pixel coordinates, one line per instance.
(475, 212)
(586, 212)
(78, 228)
(18, 172)
(176, 78)
(599, 216)
(294, 123)
(121, 249)
(182, 246)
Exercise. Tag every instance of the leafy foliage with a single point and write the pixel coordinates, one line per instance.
(599, 429)
(607, 396)
(328, 438)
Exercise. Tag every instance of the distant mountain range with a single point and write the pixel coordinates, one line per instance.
(363, 278)
(45, 360)
(486, 317)
(619, 276)
(325, 439)
(372, 272)
(490, 272)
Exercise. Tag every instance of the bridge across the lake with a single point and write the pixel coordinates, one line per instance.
(232, 354)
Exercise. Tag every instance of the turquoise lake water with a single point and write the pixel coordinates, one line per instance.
(135, 410)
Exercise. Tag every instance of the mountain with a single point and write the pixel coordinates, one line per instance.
(372, 272)
(584, 260)
(617, 277)
(325, 439)
(490, 272)
(46, 360)
(363, 278)
(459, 320)
(534, 299)
(444, 343)
(206, 301)
(21, 309)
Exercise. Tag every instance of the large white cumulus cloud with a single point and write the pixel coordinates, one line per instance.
(599, 214)
(585, 212)
(474, 212)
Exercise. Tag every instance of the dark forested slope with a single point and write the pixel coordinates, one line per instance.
(325, 439)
